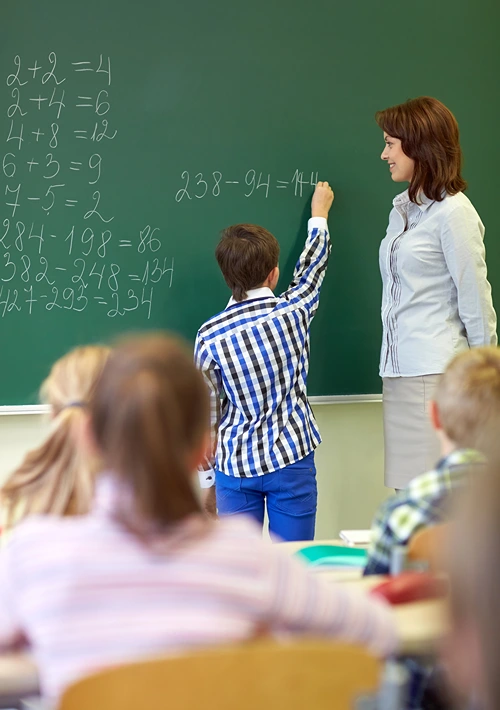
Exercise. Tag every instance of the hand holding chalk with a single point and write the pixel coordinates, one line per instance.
(322, 200)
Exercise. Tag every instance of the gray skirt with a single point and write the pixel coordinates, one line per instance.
(410, 442)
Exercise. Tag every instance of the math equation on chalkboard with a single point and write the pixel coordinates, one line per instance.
(251, 183)
(59, 249)
(62, 248)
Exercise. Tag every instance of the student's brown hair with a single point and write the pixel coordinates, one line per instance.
(429, 135)
(246, 254)
(468, 400)
(57, 477)
(149, 414)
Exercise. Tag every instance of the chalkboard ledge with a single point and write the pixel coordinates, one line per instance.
(345, 399)
(23, 409)
(12, 410)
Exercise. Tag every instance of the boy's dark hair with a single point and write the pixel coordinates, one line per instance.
(246, 254)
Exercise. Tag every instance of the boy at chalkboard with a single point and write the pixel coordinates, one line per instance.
(255, 359)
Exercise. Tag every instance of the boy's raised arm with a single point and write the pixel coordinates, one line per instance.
(311, 266)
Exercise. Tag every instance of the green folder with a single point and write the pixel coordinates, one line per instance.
(333, 556)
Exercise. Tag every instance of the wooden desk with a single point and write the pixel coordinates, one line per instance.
(421, 625)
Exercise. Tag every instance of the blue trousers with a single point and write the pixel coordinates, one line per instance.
(291, 495)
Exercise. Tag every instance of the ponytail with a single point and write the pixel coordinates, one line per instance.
(149, 416)
(55, 478)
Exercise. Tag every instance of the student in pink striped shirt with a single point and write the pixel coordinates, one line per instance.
(146, 573)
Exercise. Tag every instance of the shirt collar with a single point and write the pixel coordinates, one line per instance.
(460, 457)
(114, 500)
(450, 472)
(425, 203)
(403, 199)
(262, 292)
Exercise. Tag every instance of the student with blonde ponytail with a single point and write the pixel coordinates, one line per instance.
(146, 572)
(58, 476)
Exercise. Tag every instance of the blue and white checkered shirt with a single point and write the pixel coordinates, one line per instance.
(255, 358)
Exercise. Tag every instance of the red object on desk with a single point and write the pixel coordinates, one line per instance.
(411, 587)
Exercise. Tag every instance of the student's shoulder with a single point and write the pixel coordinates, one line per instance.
(424, 484)
(241, 317)
(400, 515)
(447, 473)
(465, 457)
(392, 503)
(211, 323)
(231, 315)
(214, 329)
(45, 535)
(39, 523)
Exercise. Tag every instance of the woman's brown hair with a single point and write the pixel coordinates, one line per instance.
(57, 477)
(149, 415)
(429, 135)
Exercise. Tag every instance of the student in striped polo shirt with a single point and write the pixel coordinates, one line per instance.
(255, 359)
(146, 572)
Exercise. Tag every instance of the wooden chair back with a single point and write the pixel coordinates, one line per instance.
(291, 676)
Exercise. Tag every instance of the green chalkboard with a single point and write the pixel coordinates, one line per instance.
(134, 132)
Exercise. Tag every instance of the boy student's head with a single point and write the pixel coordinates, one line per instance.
(149, 419)
(466, 407)
(248, 258)
(58, 477)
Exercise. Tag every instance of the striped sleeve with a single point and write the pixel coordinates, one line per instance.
(302, 602)
(311, 267)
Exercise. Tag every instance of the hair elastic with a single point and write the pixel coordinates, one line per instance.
(82, 405)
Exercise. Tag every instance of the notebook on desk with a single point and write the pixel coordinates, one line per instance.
(333, 556)
(356, 537)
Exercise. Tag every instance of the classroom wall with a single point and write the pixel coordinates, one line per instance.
(349, 461)
(350, 464)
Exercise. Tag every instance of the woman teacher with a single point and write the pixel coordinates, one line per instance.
(436, 297)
